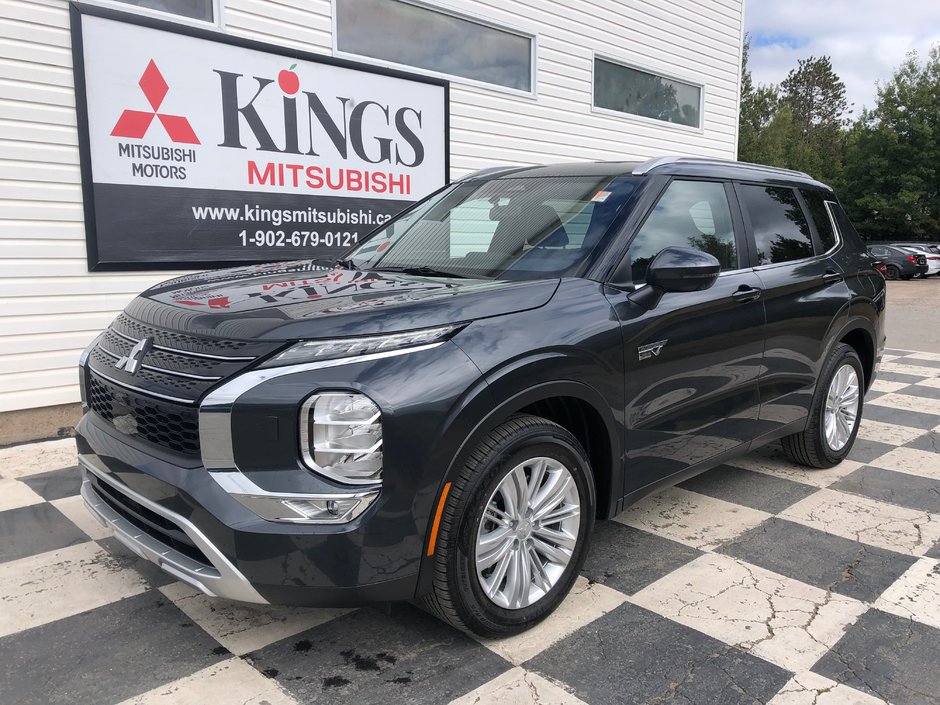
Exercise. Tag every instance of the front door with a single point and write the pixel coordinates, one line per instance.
(693, 360)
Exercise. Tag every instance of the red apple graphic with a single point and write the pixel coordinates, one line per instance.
(288, 80)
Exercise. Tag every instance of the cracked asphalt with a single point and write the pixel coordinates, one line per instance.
(757, 582)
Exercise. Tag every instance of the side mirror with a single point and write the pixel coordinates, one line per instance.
(681, 269)
(677, 270)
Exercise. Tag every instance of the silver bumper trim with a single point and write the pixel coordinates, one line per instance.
(221, 579)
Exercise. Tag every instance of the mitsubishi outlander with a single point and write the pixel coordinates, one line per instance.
(442, 413)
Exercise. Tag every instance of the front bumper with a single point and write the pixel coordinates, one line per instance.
(217, 579)
(179, 518)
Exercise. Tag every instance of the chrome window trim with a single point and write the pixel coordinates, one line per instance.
(223, 579)
(177, 351)
(215, 411)
(163, 370)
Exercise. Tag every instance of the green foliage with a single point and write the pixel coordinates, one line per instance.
(885, 166)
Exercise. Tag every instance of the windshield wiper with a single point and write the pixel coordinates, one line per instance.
(421, 271)
(346, 264)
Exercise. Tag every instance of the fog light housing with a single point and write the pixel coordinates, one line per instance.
(341, 437)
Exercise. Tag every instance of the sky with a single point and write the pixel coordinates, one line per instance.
(866, 39)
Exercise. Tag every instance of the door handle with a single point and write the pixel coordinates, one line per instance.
(831, 277)
(745, 294)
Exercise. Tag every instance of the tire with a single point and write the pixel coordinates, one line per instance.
(814, 447)
(458, 594)
(892, 273)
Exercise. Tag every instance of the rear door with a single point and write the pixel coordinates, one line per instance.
(805, 295)
(692, 361)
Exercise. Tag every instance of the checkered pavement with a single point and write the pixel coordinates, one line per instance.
(757, 582)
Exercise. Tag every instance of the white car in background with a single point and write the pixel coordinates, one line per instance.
(931, 252)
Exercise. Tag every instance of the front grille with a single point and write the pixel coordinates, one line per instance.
(159, 403)
(148, 521)
(171, 426)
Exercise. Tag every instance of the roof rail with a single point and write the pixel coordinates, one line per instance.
(652, 164)
(488, 171)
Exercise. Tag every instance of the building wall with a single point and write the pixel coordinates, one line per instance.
(51, 306)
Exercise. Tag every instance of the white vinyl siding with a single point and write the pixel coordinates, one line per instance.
(51, 306)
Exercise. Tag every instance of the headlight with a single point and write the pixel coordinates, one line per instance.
(341, 437)
(314, 350)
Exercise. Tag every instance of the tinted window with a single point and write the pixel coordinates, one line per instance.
(629, 90)
(781, 232)
(816, 201)
(846, 229)
(430, 39)
(197, 9)
(689, 214)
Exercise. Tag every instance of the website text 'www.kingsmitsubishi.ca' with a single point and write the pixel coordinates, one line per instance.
(344, 225)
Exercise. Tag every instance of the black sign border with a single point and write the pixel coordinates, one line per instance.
(78, 10)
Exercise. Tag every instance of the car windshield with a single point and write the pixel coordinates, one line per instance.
(509, 228)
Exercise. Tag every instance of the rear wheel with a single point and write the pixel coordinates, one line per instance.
(892, 272)
(514, 529)
(835, 415)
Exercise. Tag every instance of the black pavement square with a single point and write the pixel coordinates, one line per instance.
(923, 391)
(628, 559)
(369, 656)
(916, 361)
(864, 450)
(829, 562)
(26, 531)
(56, 484)
(930, 442)
(632, 655)
(752, 489)
(895, 487)
(872, 395)
(105, 655)
(899, 417)
(934, 552)
(891, 657)
(899, 377)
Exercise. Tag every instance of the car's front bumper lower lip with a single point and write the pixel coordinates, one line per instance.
(220, 579)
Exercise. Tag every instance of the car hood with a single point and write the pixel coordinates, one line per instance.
(295, 300)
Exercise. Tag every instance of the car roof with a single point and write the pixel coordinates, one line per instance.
(670, 165)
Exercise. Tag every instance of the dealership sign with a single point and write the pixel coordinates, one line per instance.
(200, 149)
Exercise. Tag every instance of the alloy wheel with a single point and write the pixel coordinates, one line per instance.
(842, 407)
(528, 533)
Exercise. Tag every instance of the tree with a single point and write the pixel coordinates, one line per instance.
(892, 172)
(815, 96)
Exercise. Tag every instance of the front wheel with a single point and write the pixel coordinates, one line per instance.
(514, 530)
(835, 415)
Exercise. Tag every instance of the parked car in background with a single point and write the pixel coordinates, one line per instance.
(929, 250)
(899, 263)
(442, 412)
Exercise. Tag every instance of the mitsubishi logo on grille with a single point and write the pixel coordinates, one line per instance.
(130, 363)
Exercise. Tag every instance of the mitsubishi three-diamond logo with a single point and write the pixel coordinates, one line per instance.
(135, 123)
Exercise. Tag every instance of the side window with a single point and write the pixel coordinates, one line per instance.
(781, 232)
(692, 214)
(816, 200)
(879, 251)
(846, 229)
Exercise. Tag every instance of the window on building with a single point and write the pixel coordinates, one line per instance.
(193, 9)
(433, 40)
(781, 232)
(816, 202)
(628, 90)
(692, 214)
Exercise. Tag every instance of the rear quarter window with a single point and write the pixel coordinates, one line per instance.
(816, 202)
